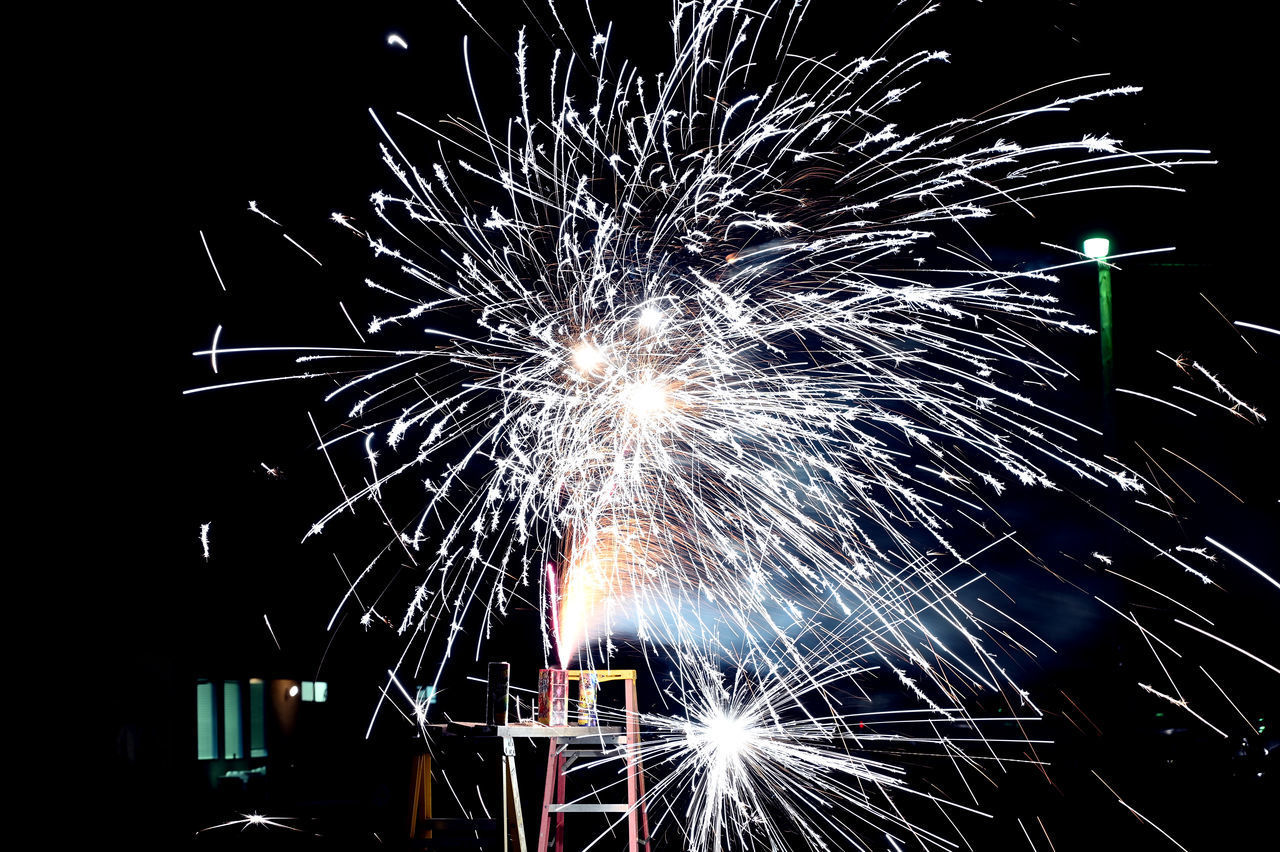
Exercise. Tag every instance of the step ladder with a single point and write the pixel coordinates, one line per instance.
(561, 757)
(420, 809)
(428, 832)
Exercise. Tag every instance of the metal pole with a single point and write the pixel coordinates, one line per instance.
(1104, 322)
(1099, 248)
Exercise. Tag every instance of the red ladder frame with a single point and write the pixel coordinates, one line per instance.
(553, 796)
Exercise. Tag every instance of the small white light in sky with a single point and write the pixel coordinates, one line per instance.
(396, 41)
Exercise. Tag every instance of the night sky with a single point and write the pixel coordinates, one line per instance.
(187, 120)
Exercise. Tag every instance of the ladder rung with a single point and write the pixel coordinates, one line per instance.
(588, 809)
(604, 675)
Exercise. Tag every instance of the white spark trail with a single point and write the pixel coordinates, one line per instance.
(253, 207)
(1245, 562)
(213, 349)
(1265, 328)
(1156, 399)
(211, 263)
(1230, 645)
(301, 249)
(267, 621)
(1135, 812)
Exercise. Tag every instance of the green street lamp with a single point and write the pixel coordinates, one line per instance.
(1098, 248)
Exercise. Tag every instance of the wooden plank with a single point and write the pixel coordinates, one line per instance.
(605, 675)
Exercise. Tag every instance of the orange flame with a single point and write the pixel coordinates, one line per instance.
(600, 568)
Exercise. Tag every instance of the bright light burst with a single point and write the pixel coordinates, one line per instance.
(256, 820)
(767, 760)
(736, 350)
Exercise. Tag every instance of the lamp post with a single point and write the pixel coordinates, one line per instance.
(1098, 248)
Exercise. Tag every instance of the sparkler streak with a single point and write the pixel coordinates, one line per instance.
(1248, 724)
(1267, 329)
(1233, 647)
(267, 621)
(1156, 399)
(253, 207)
(1134, 811)
(1246, 563)
(1182, 702)
(213, 349)
(216, 273)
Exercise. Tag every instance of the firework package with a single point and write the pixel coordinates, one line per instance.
(588, 710)
(553, 697)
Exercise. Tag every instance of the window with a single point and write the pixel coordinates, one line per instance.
(206, 721)
(222, 710)
(315, 690)
(257, 718)
(232, 735)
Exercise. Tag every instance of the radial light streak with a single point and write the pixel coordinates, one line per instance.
(759, 758)
(254, 819)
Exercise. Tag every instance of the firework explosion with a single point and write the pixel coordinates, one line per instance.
(737, 367)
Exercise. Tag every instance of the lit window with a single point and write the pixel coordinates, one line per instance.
(257, 718)
(315, 690)
(206, 722)
(233, 736)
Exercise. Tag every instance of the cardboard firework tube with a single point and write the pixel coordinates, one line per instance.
(553, 697)
(588, 710)
(498, 693)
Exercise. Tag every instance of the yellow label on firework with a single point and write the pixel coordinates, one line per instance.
(588, 710)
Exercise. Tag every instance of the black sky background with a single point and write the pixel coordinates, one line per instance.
(188, 116)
